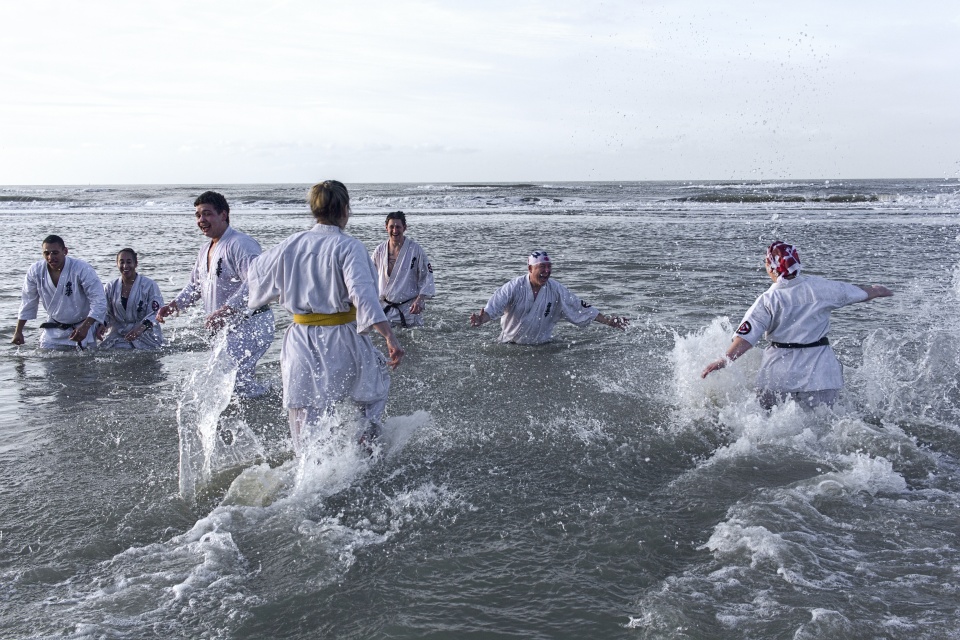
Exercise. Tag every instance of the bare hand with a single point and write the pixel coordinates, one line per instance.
(136, 333)
(18, 338)
(219, 319)
(396, 354)
(79, 333)
(164, 311)
(714, 366)
(617, 322)
(101, 330)
(477, 319)
(417, 306)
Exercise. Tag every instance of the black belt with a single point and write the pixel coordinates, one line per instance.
(58, 325)
(396, 305)
(822, 342)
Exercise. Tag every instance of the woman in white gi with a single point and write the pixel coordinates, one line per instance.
(132, 304)
(404, 274)
(326, 279)
(794, 314)
(532, 304)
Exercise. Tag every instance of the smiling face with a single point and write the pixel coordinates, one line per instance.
(396, 229)
(539, 273)
(127, 264)
(212, 223)
(55, 254)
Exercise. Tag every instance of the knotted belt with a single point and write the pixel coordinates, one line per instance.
(822, 342)
(58, 325)
(396, 305)
(326, 319)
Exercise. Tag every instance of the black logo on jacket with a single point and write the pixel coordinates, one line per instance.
(219, 267)
(744, 328)
(68, 289)
(547, 312)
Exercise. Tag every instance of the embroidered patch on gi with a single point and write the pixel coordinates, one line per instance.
(219, 267)
(744, 328)
(155, 305)
(429, 267)
(583, 303)
(140, 307)
(547, 312)
(68, 289)
(413, 262)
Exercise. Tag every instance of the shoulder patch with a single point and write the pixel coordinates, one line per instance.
(155, 305)
(744, 328)
(583, 303)
(429, 267)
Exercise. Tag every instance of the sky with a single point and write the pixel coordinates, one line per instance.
(197, 92)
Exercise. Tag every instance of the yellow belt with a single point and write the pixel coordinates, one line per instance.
(326, 319)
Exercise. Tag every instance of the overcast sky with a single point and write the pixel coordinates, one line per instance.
(395, 91)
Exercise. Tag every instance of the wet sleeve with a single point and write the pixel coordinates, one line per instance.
(242, 257)
(360, 278)
(755, 321)
(501, 300)
(93, 289)
(190, 293)
(29, 296)
(264, 278)
(425, 284)
(575, 310)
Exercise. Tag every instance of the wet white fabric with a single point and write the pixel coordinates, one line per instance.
(798, 311)
(142, 304)
(530, 320)
(77, 295)
(412, 276)
(324, 270)
(221, 282)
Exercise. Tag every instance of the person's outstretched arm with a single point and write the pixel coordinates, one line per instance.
(738, 347)
(875, 291)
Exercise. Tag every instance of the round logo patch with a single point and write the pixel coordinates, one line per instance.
(744, 328)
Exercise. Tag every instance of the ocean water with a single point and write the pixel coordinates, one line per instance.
(595, 487)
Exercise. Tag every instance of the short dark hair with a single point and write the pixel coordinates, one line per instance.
(396, 215)
(212, 197)
(54, 239)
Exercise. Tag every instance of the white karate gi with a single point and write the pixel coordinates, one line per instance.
(224, 284)
(77, 296)
(529, 320)
(412, 276)
(324, 270)
(144, 302)
(798, 311)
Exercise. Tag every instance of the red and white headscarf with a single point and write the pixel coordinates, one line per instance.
(538, 257)
(784, 259)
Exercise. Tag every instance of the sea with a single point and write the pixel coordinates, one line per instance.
(593, 487)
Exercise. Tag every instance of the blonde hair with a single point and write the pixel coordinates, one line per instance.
(329, 202)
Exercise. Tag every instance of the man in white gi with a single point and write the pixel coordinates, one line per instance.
(404, 274)
(794, 314)
(219, 279)
(71, 293)
(325, 278)
(531, 306)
